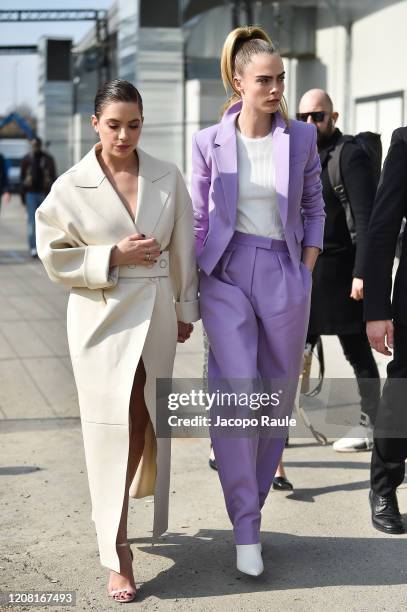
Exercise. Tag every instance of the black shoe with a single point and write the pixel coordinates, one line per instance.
(282, 484)
(212, 464)
(212, 460)
(385, 513)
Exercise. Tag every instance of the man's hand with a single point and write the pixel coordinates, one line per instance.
(184, 331)
(357, 289)
(381, 335)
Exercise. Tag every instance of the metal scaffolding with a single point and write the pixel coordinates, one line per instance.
(18, 49)
(99, 16)
(58, 15)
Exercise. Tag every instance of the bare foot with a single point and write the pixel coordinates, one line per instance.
(124, 580)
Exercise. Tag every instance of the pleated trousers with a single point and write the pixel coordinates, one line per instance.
(255, 309)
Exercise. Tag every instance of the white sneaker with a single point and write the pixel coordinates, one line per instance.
(33, 253)
(358, 439)
(248, 559)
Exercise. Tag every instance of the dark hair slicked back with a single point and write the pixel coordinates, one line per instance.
(117, 90)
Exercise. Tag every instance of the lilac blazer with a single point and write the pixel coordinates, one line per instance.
(215, 186)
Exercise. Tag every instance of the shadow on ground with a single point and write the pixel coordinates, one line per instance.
(204, 564)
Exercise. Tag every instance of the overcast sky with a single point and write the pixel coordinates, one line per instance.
(19, 72)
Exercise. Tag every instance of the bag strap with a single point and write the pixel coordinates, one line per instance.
(334, 170)
(337, 183)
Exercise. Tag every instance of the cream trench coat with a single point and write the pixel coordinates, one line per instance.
(116, 316)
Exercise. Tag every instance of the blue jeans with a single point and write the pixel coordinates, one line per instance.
(32, 200)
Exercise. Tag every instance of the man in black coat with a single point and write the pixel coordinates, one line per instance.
(387, 328)
(38, 172)
(337, 294)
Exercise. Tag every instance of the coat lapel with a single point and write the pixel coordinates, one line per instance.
(225, 152)
(152, 194)
(100, 194)
(151, 199)
(281, 140)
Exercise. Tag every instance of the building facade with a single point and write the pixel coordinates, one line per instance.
(170, 51)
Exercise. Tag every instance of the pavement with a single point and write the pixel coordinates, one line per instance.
(319, 548)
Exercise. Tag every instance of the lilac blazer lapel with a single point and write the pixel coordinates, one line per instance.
(281, 139)
(225, 152)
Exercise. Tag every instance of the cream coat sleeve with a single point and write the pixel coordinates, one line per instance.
(67, 260)
(183, 268)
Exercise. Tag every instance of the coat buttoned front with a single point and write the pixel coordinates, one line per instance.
(118, 315)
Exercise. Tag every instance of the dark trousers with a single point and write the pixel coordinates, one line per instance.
(33, 200)
(390, 453)
(357, 351)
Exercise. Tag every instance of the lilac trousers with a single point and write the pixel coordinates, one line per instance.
(255, 309)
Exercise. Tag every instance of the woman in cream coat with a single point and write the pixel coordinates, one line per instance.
(117, 229)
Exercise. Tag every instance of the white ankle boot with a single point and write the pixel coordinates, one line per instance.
(248, 559)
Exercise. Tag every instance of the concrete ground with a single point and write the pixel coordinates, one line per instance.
(320, 550)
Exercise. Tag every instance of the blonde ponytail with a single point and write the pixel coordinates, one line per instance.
(239, 47)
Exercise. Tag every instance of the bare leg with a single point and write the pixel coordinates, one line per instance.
(280, 471)
(138, 419)
(280, 481)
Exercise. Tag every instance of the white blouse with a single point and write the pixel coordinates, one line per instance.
(257, 206)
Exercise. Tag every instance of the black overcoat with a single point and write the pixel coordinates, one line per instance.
(333, 311)
(389, 210)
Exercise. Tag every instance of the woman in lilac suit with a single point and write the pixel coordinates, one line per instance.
(259, 220)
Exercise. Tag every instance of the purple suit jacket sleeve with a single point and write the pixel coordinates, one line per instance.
(312, 204)
(200, 185)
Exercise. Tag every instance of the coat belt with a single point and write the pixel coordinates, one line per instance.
(161, 268)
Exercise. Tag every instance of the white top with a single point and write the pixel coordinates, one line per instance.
(257, 206)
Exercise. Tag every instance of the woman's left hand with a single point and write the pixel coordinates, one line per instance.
(309, 257)
(184, 331)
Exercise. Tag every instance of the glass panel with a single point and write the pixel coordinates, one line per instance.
(390, 117)
(366, 117)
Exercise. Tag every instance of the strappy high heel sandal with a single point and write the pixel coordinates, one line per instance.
(115, 592)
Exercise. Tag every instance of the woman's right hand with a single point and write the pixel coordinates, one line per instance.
(135, 249)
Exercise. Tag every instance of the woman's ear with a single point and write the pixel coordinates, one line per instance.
(95, 124)
(238, 85)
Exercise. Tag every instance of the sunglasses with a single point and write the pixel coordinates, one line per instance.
(318, 116)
